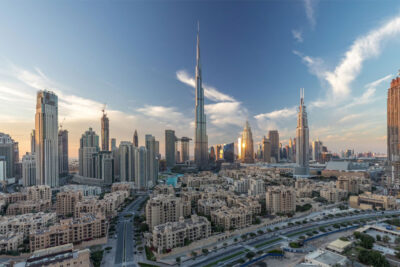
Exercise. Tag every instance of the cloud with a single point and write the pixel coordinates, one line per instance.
(226, 113)
(298, 35)
(209, 92)
(350, 117)
(278, 114)
(168, 114)
(309, 6)
(363, 48)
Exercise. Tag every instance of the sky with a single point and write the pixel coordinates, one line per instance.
(138, 57)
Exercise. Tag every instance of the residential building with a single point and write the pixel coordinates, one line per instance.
(232, 218)
(89, 147)
(66, 202)
(152, 160)
(280, 199)
(127, 161)
(87, 190)
(28, 169)
(141, 175)
(349, 184)
(371, 201)
(46, 134)
(26, 222)
(208, 205)
(7, 153)
(333, 195)
(163, 208)
(38, 192)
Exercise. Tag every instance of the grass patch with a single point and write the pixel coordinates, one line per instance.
(267, 242)
(149, 254)
(226, 258)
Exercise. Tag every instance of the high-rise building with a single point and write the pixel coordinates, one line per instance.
(127, 161)
(113, 143)
(105, 132)
(185, 148)
(239, 147)
(393, 131)
(229, 152)
(273, 137)
(302, 141)
(141, 167)
(200, 134)
(266, 150)
(211, 154)
(135, 139)
(316, 151)
(33, 142)
(7, 152)
(104, 166)
(280, 199)
(28, 170)
(170, 140)
(89, 147)
(63, 152)
(247, 144)
(152, 160)
(46, 139)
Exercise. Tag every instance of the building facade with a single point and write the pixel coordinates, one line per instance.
(302, 140)
(273, 136)
(63, 152)
(170, 140)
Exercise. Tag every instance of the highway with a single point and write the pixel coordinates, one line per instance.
(125, 242)
(240, 246)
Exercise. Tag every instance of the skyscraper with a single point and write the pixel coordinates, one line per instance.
(185, 148)
(28, 170)
(33, 142)
(266, 149)
(152, 160)
(141, 167)
(302, 142)
(105, 132)
(273, 136)
(113, 143)
(247, 144)
(170, 140)
(393, 131)
(63, 152)
(46, 139)
(316, 150)
(135, 139)
(89, 147)
(7, 152)
(200, 134)
(229, 152)
(127, 161)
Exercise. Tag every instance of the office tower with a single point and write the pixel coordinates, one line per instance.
(266, 149)
(104, 166)
(185, 148)
(89, 147)
(170, 140)
(316, 150)
(219, 153)
(113, 144)
(33, 142)
(135, 139)
(393, 130)
(105, 132)
(3, 168)
(302, 146)
(229, 152)
(152, 160)
(63, 152)
(273, 137)
(157, 149)
(200, 134)
(7, 152)
(141, 167)
(28, 170)
(127, 162)
(16, 164)
(239, 147)
(211, 155)
(247, 145)
(290, 150)
(46, 139)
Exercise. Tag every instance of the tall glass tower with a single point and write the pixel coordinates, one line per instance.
(302, 142)
(200, 135)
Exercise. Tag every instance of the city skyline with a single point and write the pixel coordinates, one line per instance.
(347, 81)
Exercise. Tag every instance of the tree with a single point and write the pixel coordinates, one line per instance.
(374, 258)
(205, 251)
(386, 239)
(250, 254)
(178, 260)
(194, 254)
(397, 240)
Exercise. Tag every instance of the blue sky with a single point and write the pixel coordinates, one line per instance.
(139, 58)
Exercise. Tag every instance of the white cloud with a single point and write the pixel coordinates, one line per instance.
(350, 117)
(226, 113)
(309, 6)
(162, 113)
(209, 92)
(363, 48)
(298, 35)
(278, 114)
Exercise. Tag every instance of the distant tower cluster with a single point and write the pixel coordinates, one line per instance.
(302, 141)
(200, 134)
(46, 139)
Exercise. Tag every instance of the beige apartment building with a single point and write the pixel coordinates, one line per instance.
(349, 184)
(280, 199)
(206, 206)
(26, 223)
(162, 209)
(59, 256)
(232, 218)
(334, 195)
(77, 230)
(66, 202)
(11, 241)
(13, 197)
(163, 189)
(371, 201)
(173, 234)
(122, 186)
(28, 206)
(38, 192)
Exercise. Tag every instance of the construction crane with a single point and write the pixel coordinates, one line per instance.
(61, 124)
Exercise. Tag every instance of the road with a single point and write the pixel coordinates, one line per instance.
(236, 247)
(125, 241)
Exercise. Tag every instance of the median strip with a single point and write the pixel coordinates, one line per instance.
(226, 258)
(268, 242)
